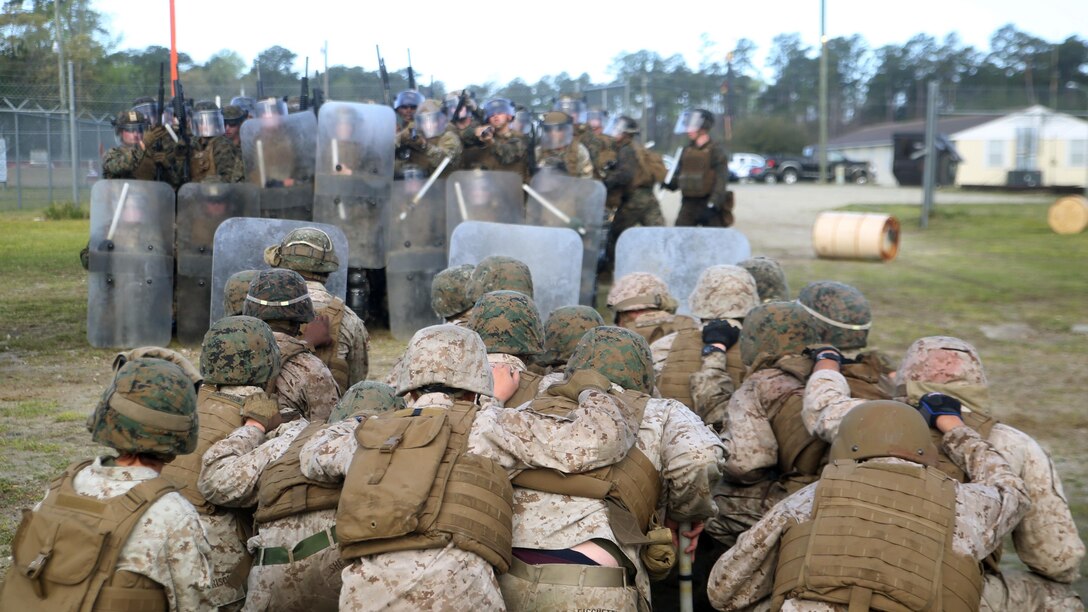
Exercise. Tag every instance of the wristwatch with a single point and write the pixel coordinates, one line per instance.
(710, 348)
(832, 355)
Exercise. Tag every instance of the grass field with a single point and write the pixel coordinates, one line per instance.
(994, 275)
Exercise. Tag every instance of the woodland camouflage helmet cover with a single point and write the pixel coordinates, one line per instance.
(640, 291)
(619, 354)
(449, 291)
(723, 292)
(500, 273)
(770, 278)
(279, 295)
(564, 329)
(841, 314)
(366, 398)
(946, 365)
(305, 249)
(445, 355)
(149, 407)
(775, 329)
(507, 322)
(239, 351)
(884, 428)
(234, 292)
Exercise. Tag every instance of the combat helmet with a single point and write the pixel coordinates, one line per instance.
(235, 290)
(884, 428)
(448, 356)
(723, 292)
(408, 97)
(431, 118)
(775, 329)
(366, 398)
(508, 323)
(149, 407)
(841, 314)
(574, 108)
(694, 119)
(239, 351)
(306, 250)
(556, 130)
(770, 278)
(206, 120)
(946, 365)
(622, 126)
(279, 295)
(234, 114)
(149, 108)
(564, 329)
(619, 354)
(640, 291)
(131, 121)
(449, 291)
(499, 273)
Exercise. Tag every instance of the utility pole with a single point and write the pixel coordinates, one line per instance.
(73, 133)
(325, 52)
(823, 92)
(929, 166)
(60, 53)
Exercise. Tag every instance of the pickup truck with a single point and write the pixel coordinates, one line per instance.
(789, 169)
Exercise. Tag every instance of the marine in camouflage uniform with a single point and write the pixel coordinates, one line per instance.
(499, 273)
(559, 150)
(214, 158)
(445, 368)
(512, 333)
(233, 118)
(235, 290)
(258, 468)
(145, 153)
(770, 278)
(449, 294)
(1046, 539)
(630, 186)
(564, 328)
(147, 414)
(642, 303)
(703, 175)
(310, 252)
(425, 142)
(496, 146)
(305, 386)
(880, 442)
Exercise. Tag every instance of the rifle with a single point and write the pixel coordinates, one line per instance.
(530, 154)
(304, 96)
(162, 102)
(461, 101)
(260, 83)
(183, 128)
(385, 77)
(411, 73)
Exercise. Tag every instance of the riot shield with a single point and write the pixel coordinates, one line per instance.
(559, 200)
(240, 244)
(202, 207)
(354, 175)
(553, 254)
(278, 151)
(131, 264)
(679, 254)
(415, 252)
(483, 195)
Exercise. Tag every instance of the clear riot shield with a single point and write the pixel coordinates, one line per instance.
(278, 151)
(354, 175)
(553, 254)
(131, 263)
(202, 207)
(415, 252)
(240, 243)
(679, 254)
(559, 200)
(483, 195)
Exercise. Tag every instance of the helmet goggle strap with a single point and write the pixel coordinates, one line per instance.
(833, 322)
(279, 303)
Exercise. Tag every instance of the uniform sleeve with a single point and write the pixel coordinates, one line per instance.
(719, 163)
(177, 554)
(510, 149)
(232, 467)
(585, 163)
(121, 162)
(327, 456)
(692, 458)
(827, 400)
(306, 386)
(623, 173)
(448, 145)
(228, 163)
(749, 440)
(659, 350)
(358, 341)
(711, 389)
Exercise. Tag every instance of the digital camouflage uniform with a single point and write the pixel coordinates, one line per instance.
(984, 512)
(427, 153)
(649, 296)
(509, 325)
(598, 433)
(136, 162)
(634, 202)
(1046, 539)
(499, 273)
(449, 294)
(216, 160)
(235, 290)
(770, 278)
(507, 152)
(564, 328)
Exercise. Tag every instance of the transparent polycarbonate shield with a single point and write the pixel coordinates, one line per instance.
(355, 175)
(240, 243)
(483, 195)
(201, 208)
(679, 254)
(278, 151)
(553, 254)
(415, 252)
(131, 263)
(559, 200)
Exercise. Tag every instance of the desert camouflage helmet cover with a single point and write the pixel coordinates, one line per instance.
(500, 273)
(619, 354)
(639, 291)
(841, 314)
(884, 428)
(946, 365)
(564, 329)
(775, 329)
(445, 355)
(449, 291)
(770, 278)
(235, 290)
(279, 295)
(306, 249)
(507, 322)
(239, 351)
(149, 407)
(723, 292)
(366, 398)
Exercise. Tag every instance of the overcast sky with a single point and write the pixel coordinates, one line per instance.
(530, 40)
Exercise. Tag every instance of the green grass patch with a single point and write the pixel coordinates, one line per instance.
(30, 409)
(31, 445)
(70, 416)
(58, 211)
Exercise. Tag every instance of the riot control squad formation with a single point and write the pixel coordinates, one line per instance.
(713, 440)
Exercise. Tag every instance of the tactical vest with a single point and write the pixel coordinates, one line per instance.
(880, 539)
(631, 487)
(412, 486)
(656, 329)
(283, 491)
(65, 554)
(695, 177)
(528, 387)
(219, 415)
(684, 359)
(800, 454)
(329, 354)
(866, 378)
(734, 365)
(651, 167)
(202, 161)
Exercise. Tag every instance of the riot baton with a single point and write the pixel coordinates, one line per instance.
(461, 200)
(675, 164)
(426, 186)
(686, 603)
(335, 155)
(117, 211)
(551, 208)
(260, 163)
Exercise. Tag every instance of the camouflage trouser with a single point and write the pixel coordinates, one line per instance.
(740, 507)
(228, 550)
(310, 585)
(700, 212)
(641, 208)
(1020, 590)
(522, 594)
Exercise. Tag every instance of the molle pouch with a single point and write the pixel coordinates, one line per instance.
(54, 564)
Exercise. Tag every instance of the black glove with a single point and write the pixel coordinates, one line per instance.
(828, 351)
(720, 331)
(933, 405)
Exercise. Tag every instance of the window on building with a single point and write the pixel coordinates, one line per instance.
(1027, 148)
(1078, 153)
(995, 154)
